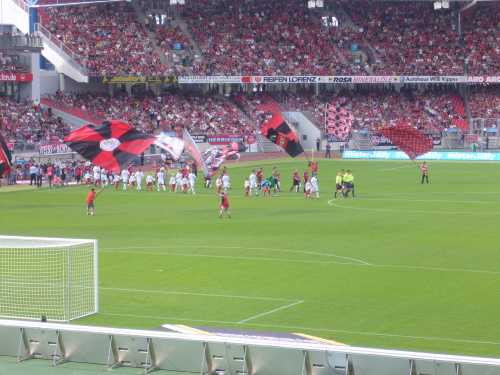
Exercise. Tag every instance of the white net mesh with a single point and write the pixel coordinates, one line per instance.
(52, 277)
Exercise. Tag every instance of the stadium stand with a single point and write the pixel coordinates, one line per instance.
(28, 124)
(108, 38)
(481, 36)
(485, 103)
(430, 112)
(408, 37)
(260, 37)
(199, 114)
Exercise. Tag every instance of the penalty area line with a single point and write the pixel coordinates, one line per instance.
(280, 308)
(173, 292)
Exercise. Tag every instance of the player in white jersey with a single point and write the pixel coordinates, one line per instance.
(97, 175)
(125, 177)
(104, 177)
(314, 186)
(116, 180)
(192, 182)
(246, 185)
(218, 184)
(178, 181)
(132, 180)
(172, 183)
(226, 182)
(87, 178)
(252, 180)
(149, 182)
(307, 189)
(160, 179)
(138, 177)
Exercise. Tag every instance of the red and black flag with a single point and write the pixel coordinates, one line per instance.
(279, 132)
(408, 139)
(5, 158)
(112, 146)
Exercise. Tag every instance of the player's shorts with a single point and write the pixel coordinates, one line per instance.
(90, 205)
(348, 185)
(222, 207)
(339, 186)
(296, 183)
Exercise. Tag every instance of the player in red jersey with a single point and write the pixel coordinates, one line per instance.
(91, 196)
(224, 205)
(295, 181)
(424, 170)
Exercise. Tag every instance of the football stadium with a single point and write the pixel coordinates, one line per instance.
(250, 187)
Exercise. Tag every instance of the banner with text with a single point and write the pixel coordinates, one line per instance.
(15, 77)
(54, 149)
(224, 139)
(336, 79)
(433, 155)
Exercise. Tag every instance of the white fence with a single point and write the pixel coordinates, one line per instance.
(220, 354)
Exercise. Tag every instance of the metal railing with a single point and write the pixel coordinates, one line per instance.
(72, 57)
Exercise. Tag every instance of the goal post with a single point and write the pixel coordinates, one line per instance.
(52, 277)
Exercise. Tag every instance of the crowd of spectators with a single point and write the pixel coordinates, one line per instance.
(408, 37)
(482, 35)
(198, 114)
(108, 38)
(28, 124)
(485, 104)
(264, 37)
(431, 111)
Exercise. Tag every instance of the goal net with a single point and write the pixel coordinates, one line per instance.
(51, 277)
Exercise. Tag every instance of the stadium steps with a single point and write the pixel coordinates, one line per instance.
(366, 48)
(141, 17)
(265, 145)
(185, 29)
(64, 60)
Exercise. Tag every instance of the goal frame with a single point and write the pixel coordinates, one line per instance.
(95, 265)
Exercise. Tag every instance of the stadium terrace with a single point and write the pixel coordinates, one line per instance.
(250, 187)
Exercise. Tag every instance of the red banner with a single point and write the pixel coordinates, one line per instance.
(15, 77)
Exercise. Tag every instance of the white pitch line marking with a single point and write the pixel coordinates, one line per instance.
(271, 311)
(173, 292)
(281, 260)
(287, 327)
(250, 248)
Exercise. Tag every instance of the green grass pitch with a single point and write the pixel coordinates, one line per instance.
(403, 266)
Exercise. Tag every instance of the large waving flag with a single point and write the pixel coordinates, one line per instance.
(191, 147)
(5, 158)
(112, 146)
(173, 145)
(279, 132)
(408, 139)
